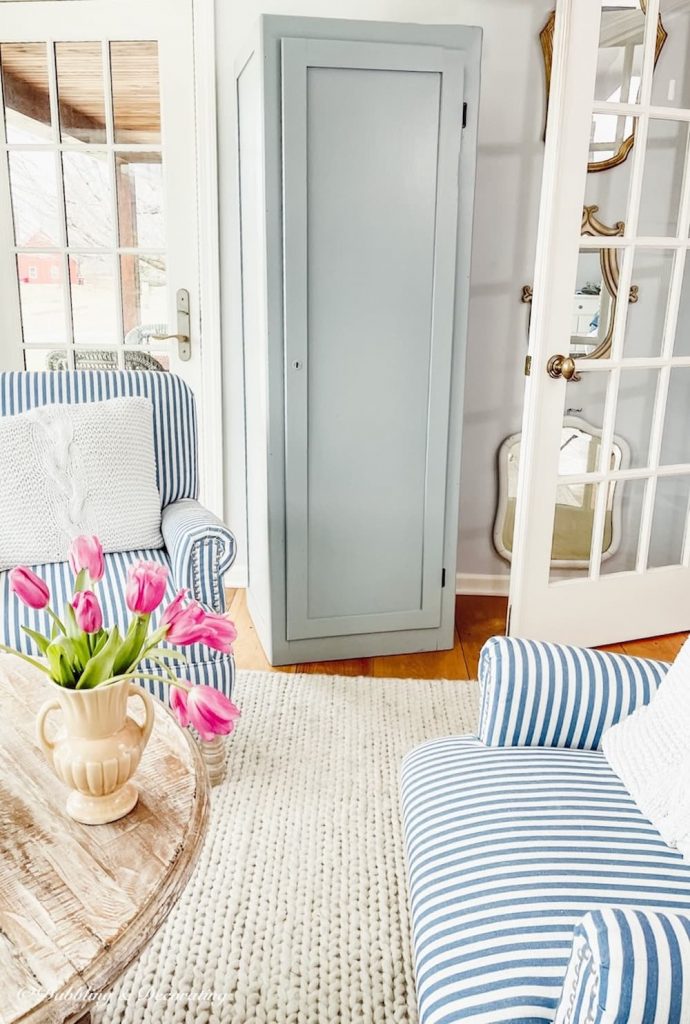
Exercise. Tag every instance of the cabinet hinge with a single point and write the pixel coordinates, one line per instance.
(443, 577)
(464, 115)
(528, 365)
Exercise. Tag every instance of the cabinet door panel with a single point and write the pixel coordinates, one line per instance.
(371, 136)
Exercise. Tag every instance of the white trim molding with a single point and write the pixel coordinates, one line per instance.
(496, 584)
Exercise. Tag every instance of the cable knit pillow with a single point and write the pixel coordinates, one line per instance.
(650, 753)
(72, 469)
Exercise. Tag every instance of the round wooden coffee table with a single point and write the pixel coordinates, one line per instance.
(79, 902)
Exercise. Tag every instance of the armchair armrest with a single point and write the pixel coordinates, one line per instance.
(627, 965)
(537, 694)
(201, 550)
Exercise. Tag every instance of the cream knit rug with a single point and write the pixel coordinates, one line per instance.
(297, 911)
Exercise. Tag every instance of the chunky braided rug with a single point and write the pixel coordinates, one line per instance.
(297, 911)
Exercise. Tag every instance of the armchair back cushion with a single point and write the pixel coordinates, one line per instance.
(536, 694)
(174, 413)
(627, 967)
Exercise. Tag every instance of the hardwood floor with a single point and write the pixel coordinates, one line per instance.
(476, 619)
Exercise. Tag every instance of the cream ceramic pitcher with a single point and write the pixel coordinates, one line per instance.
(98, 750)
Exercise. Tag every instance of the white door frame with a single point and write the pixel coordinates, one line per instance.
(643, 601)
(210, 423)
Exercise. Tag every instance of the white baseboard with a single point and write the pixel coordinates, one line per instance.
(480, 583)
(238, 576)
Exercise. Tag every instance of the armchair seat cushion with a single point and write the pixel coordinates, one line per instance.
(507, 850)
(205, 664)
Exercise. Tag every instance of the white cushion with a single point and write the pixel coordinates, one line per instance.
(67, 470)
(650, 753)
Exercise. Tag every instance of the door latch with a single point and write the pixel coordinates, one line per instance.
(184, 348)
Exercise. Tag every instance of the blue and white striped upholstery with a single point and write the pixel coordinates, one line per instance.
(540, 694)
(174, 413)
(507, 849)
(201, 550)
(628, 967)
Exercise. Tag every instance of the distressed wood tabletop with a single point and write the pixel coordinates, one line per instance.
(79, 902)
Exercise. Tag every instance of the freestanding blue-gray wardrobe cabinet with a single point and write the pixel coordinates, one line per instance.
(356, 146)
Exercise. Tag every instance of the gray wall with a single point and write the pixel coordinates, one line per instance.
(508, 181)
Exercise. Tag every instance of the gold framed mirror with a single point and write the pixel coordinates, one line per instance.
(619, 71)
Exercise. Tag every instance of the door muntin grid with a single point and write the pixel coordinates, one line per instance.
(86, 181)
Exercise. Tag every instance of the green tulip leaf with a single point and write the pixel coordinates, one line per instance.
(132, 645)
(42, 642)
(100, 666)
(61, 658)
(169, 653)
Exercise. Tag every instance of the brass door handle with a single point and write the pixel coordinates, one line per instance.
(167, 337)
(182, 336)
(562, 366)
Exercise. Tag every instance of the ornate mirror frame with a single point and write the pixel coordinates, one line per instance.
(546, 40)
(610, 272)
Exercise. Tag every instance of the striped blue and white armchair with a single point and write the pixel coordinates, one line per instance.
(517, 837)
(198, 549)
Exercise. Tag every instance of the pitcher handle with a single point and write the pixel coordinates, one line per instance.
(46, 745)
(136, 691)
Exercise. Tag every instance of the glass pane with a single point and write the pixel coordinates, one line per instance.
(41, 297)
(93, 300)
(136, 103)
(144, 295)
(651, 278)
(622, 526)
(669, 522)
(571, 541)
(96, 359)
(611, 135)
(671, 82)
(584, 405)
(619, 64)
(26, 92)
(140, 200)
(33, 186)
(80, 92)
(636, 396)
(45, 359)
(592, 317)
(681, 345)
(608, 191)
(675, 444)
(88, 200)
(663, 178)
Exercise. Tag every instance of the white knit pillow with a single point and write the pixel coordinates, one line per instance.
(67, 470)
(650, 753)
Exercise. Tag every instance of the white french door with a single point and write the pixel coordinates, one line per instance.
(634, 577)
(99, 229)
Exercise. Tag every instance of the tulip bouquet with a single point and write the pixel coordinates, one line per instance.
(80, 653)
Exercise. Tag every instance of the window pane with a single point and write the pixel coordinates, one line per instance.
(80, 91)
(636, 396)
(41, 297)
(45, 359)
(144, 294)
(136, 103)
(571, 540)
(675, 445)
(33, 187)
(671, 81)
(619, 64)
(669, 521)
(140, 200)
(93, 300)
(663, 178)
(622, 526)
(26, 92)
(592, 312)
(88, 201)
(96, 359)
(681, 345)
(651, 277)
(610, 135)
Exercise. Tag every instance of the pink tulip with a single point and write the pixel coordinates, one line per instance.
(209, 711)
(146, 585)
(178, 702)
(190, 624)
(29, 587)
(87, 611)
(87, 553)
